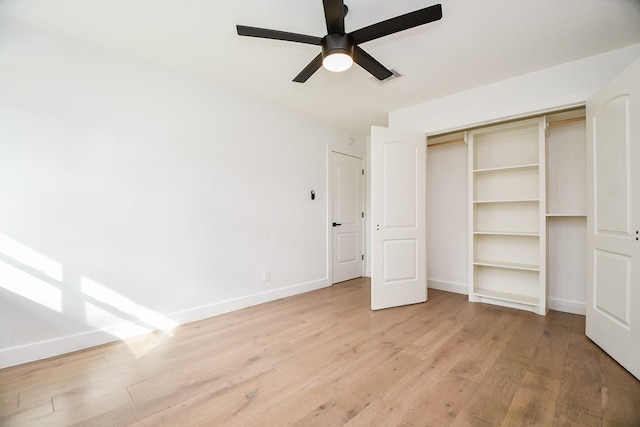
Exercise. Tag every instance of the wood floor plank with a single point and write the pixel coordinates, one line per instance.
(575, 417)
(381, 378)
(441, 406)
(41, 406)
(364, 360)
(534, 403)
(411, 389)
(69, 383)
(464, 419)
(476, 362)
(581, 388)
(35, 378)
(525, 341)
(492, 398)
(431, 341)
(620, 396)
(336, 411)
(8, 401)
(482, 322)
(26, 416)
(551, 352)
(292, 405)
(215, 403)
(321, 359)
(87, 409)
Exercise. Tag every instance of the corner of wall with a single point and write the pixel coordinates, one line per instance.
(458, 288)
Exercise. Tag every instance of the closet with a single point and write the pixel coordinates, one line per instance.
(526, 213)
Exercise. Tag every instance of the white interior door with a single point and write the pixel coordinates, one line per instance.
(348, 212)
(613, 222)
(398, 206)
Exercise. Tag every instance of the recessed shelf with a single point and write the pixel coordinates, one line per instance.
(570, 215)
(507, 168)
(506, 296)
(509, 265)
(509, 201)
(507, 233)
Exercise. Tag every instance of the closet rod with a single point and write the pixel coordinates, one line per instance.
(562, 122)
(554, 123)
(451, 141)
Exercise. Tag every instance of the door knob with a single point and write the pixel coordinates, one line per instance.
(335, 224)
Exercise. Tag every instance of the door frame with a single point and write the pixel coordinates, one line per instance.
(359, 155)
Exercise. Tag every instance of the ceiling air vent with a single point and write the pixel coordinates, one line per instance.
(394, 76)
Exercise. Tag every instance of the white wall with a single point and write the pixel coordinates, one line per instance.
(133, 198)
(447, 239)
(568, 84)
(565, 85)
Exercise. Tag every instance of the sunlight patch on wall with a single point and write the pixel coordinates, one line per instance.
(30, 258)
(121, 303)
(32, 288)
(112, 323)
(138, 338)
(117, 315)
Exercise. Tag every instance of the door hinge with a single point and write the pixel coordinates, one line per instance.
(363, 257)
(362, 214)
(362, 171)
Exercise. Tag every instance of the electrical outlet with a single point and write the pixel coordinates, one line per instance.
(266, 276)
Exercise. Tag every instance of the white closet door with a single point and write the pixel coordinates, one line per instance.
(398, 246)
(613, 223)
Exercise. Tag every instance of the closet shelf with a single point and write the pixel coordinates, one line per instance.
(566, 215)
(506, 296)
(507, 265)
(506, 168)
(508, 233)
(508, 201)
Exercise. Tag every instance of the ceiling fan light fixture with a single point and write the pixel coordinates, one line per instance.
(337, 52)
(337, 62)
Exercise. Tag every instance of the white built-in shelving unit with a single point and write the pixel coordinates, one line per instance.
(527, 213)
(507, 215)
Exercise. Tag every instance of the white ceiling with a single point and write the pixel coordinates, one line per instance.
(476, 43)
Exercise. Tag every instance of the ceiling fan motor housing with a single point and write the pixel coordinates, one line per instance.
(337, 43)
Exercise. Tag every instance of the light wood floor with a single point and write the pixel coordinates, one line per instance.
(324, 358)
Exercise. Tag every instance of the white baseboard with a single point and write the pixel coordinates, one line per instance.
(54, 347)
(214, 309)
(458, 288)
(558, 304)
(568, 306)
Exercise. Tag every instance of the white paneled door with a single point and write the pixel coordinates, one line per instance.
(348, 212)
(613, 240)
(398, 241)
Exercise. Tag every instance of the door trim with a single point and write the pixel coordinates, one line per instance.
(359, 155)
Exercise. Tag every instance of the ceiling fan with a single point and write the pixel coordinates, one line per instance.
(340, 49)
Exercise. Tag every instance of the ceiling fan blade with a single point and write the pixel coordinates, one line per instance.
(308, 71)
(265, 33)
(367, 62)
(334, 11)
(399, 23)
